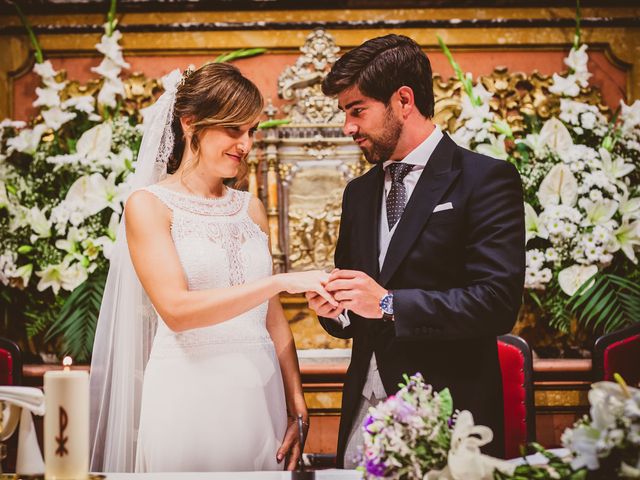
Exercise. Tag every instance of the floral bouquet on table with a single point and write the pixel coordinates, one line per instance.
(415, 435)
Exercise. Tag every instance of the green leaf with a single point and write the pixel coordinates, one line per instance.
(611, 303)
(240, 53)
(30, 33)
(577, 36)
(76, 323)
(273, 123)
(447, 403)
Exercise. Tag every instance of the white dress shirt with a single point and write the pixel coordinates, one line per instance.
(418, 157)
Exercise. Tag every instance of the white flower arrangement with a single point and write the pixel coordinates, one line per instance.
(580, 176)
(53, 244)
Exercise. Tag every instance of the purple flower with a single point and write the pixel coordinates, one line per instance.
(368, 421)
(375, 468)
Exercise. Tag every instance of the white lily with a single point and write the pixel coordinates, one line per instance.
(494, 149)
(121, 161)
(111, 49)
(614, 168)
(47, 97)
(71, 244)
(114, 195)
(599, 212)
(558, 187)
(572, 278)
(74, 276)
(95, 143)
(626, 238)
(577, 61)
(555, 135)
(108, 92)
(27, 140)
(565, 85)
(55, 117)
(82, 103)
(582, 441)
(39, 224)
(44, 69)
(19, 218)
(108, 241)
(536, 143)
(629, 207)
(533, 226)
(630, 115)
(24, 273)
(108, 69)
(50, 277)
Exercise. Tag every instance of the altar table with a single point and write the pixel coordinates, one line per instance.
(332, 474)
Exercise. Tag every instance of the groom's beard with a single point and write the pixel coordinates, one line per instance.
(382, 146)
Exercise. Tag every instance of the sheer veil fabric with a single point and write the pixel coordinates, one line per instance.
(127, 320)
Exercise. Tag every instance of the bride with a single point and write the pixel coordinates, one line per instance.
(194, 365)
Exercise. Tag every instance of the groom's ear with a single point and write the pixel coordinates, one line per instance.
(405, 99)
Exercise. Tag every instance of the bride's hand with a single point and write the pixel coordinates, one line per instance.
(309, 281)
(290, 447)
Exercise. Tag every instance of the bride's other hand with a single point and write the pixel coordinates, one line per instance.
(309, 281)
(290, 448)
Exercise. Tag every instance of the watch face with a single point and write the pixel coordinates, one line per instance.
(386, 304)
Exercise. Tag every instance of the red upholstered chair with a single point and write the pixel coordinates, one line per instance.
(516, 365)
(10, 363)
(618, 352)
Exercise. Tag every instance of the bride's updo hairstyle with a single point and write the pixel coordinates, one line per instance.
(215, 95)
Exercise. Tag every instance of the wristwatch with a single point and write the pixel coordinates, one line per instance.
(386, 305)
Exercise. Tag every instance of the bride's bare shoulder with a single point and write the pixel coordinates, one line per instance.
(145, 208)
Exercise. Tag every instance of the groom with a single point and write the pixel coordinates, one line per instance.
(430, 259)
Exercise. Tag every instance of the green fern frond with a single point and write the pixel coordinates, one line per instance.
(610, 303)
(78, 318)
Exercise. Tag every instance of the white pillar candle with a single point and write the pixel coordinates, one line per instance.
(66, 424)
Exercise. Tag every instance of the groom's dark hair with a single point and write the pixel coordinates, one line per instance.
(381, 66)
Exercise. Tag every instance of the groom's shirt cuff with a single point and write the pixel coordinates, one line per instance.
(343, 319)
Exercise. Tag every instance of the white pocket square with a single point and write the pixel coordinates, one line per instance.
(443, 206)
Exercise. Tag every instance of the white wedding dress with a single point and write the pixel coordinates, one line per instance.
(213, 397)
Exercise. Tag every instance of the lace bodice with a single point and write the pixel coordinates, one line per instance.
(219, 246)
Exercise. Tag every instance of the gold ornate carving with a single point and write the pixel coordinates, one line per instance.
(301, 82)
(515, 95)
(313, 237)
(140, 91)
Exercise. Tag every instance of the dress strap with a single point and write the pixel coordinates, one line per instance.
(246, 200)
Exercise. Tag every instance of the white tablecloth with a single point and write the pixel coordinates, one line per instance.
(539, 459)
(332, 474)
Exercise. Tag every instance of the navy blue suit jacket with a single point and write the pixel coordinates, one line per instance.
(457, 277)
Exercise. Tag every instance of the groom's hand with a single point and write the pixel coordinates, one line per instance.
(356, 291)
(321, 306)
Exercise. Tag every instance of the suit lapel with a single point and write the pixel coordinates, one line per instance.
(437, 176)
(369, 221)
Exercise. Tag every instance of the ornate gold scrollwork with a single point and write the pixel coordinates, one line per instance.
(514, 96)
